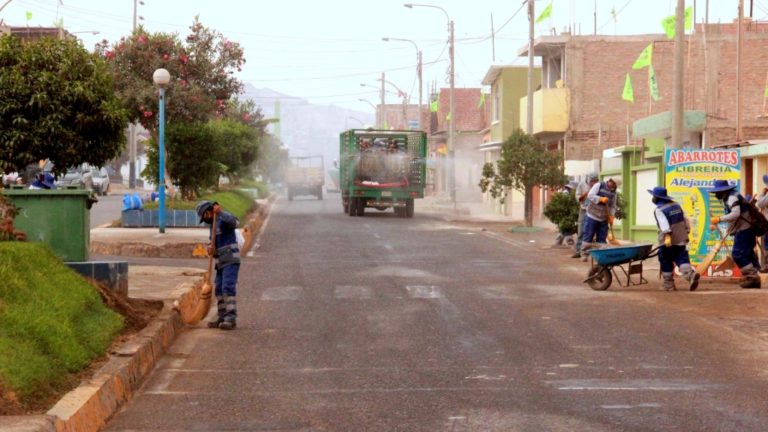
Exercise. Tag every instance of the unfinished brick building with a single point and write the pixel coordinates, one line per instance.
(583, 78)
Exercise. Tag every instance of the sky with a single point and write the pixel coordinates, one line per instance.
(325, 50)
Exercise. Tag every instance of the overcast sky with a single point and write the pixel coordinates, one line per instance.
(324, 50)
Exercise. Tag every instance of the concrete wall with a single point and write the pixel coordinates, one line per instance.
(511, 85)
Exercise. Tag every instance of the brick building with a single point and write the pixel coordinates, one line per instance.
(471, 121)
(583, 78)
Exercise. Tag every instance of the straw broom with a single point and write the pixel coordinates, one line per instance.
(201, 292)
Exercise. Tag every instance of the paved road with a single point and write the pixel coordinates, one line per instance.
(108, 209)
(387, 324)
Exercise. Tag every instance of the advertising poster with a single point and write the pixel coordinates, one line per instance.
(689, 175)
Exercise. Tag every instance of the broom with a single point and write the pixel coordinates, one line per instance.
(611, 238)
(201, 293)
(705, 263)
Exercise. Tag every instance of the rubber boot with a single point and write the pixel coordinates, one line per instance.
(691, 276)
(668, 281)
(229, 319)
(750, 277)
(221, 310)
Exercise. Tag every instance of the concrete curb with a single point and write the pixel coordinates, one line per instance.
(89, 406)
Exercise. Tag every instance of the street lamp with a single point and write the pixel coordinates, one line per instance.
(161, 77)
(375, 110)
(418, 66)
(451, 110)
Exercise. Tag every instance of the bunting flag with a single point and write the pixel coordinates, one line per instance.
(481, 102)
(628, 94)
(668, 23)
(433, 106)
(765, 94)
(653, 85)
(448, 116)
(29, 16)
(645, 58)
(546, 13)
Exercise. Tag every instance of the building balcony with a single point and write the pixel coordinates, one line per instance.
(551, 108)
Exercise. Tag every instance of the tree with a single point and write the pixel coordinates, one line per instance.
(195, 165)
(202, 73)
(273, 158)
(238, 147)
(563, 211)
(525, 163)
(57, 102)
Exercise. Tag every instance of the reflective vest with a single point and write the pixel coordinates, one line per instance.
(677, 225)
(601, 211)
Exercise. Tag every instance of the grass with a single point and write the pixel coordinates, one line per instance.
(52, 322)
(235, 201)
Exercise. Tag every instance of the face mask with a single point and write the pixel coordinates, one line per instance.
(655, 200)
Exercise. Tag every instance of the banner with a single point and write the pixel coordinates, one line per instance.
(689, 175)
(628, 94)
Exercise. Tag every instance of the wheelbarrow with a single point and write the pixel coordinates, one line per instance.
(606, 260)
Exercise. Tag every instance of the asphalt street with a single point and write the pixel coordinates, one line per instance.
(388, 324)
(107, 210)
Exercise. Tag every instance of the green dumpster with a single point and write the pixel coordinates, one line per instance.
(58, 218)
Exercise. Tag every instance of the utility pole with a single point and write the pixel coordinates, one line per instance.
(529, 105)
(493, 41)
(677, 83)
(419, 65)
(383, 114)
(132, 127)
(739, 39)
(595, 18)
(452, 122)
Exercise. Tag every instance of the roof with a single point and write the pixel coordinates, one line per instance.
(545, 44)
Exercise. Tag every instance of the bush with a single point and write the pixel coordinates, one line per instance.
(563, 211)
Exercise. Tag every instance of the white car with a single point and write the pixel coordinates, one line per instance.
(100, 180)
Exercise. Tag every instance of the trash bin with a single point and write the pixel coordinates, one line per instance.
(58, 218)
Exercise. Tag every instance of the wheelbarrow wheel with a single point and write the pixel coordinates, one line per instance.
(600, 278)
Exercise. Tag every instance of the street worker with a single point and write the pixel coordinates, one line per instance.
(600, 211)
(564, 235)
(582, 190)
(740, 227)
(227, 255)
(44, 180)
(762, 203)
(673, 238)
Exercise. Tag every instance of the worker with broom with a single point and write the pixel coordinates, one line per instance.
(740, 227)
(225, 250)
(673, 238)
(600, 211)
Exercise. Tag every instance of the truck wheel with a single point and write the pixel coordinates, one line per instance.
(361, 206)
(345, 206)
(352, 206)
(409, 207)
(400, 211)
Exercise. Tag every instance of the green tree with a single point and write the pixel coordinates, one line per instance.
(525, 163)
(563, 211)
(238, 147)
(189, 170)
(57, 102)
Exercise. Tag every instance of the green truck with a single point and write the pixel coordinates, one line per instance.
(382, 169)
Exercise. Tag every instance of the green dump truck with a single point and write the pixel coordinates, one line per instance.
(382, 169)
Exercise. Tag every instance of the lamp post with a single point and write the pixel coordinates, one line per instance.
(161, 77)
(451, 111)
(418, 67)
(375, 111)
(380, 114)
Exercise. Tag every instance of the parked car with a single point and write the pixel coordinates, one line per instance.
(76, 177)
(100, 180)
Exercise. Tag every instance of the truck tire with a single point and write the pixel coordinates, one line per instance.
(409, 208)
(361, 206)
(352, 206)
(400, 211)
(345, 205)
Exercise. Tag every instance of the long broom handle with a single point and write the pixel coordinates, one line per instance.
(213, 243)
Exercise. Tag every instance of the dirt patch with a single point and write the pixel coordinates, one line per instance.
(137, 312)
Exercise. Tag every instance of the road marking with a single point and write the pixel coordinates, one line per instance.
(505, 239)
(424, 291)
(642, 405)
(352, 292)
(281, 293)
(630, 385)
(340, 391)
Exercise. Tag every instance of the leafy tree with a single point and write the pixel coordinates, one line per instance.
(195, 165)
(238, 147)
(202, 71)
(525, 163)
(56, 101)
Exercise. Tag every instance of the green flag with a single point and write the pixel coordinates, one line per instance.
(29, 16)
(668, 24)
(433, 106)
(481, 102)
(653, 85)
(545, 13)
(645, 58)
(628, 94)
(448, 116)
(765, 94)
(688, 18)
